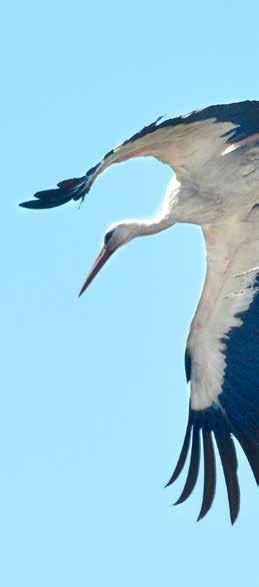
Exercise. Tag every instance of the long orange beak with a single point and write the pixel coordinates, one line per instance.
(98, 264)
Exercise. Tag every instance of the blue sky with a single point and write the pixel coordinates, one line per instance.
(94, 401)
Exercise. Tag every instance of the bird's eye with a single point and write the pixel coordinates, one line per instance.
(108, 237)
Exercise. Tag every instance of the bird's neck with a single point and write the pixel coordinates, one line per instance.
(149, 226)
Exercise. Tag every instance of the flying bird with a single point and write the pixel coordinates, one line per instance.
(214, 153)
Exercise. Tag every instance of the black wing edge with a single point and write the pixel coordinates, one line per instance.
(68, 189)
(213, 422)
(76, 188)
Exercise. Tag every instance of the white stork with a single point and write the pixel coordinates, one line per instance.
(214, 153)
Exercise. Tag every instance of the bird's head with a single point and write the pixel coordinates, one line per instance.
(116, 236)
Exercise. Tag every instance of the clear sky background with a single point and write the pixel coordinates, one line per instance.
(94, 402)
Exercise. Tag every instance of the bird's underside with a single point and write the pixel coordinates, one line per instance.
(216, 152)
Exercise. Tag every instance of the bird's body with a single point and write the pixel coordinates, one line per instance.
(215, 155)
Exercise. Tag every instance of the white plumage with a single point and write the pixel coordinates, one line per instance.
(215, 155)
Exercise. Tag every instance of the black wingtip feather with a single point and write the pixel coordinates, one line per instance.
(209, 474)
(250, 449)
(193, 467)
(69, 189)
(228, 458)
(183, 455)
(47, 199)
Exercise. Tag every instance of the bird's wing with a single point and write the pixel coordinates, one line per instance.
(184, 142)
(222, 362)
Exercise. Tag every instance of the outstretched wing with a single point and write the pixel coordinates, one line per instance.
(185, 141)
(222, 363)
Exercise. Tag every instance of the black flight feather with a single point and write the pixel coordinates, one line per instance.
(193, 467)
(228, 458)
(209, 473)
(183, 455)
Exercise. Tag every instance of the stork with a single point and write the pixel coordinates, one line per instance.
(214, 153)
